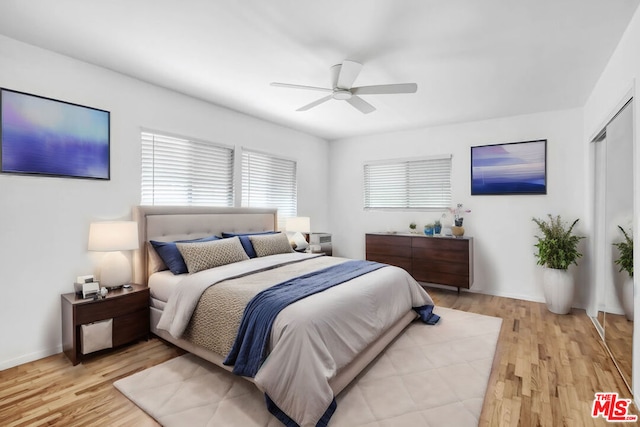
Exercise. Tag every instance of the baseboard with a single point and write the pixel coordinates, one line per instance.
(495, 294)
(26, 358)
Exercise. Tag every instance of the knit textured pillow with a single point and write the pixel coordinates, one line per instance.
(204, 255)
(271, 244)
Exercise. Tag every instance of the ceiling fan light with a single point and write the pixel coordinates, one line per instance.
(342, 94)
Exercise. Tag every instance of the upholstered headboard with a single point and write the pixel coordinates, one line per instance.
(168, 223)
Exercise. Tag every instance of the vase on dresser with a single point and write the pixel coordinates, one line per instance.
(457, 231)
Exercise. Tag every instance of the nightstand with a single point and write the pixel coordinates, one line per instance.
(128, 309)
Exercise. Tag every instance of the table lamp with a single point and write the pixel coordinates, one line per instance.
(300, 226)
(113, 237)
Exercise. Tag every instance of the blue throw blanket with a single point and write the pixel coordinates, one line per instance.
(250, 347)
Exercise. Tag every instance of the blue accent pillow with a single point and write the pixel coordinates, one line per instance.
(172, 257)
(246, 243)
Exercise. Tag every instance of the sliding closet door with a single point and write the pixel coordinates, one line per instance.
(614, 207)
(619, 212)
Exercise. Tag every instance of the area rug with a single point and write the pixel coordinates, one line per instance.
(429, 376)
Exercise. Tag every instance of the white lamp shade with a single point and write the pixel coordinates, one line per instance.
(111, 236)
(301, 224)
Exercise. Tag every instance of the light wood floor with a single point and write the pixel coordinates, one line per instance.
(546, 371)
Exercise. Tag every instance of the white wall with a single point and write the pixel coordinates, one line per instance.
(618, 81)
(501, 225)
(44, 221)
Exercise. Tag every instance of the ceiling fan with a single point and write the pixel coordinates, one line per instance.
(342, 78)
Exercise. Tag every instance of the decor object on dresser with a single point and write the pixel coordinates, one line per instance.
(512, 168)
(457, 229)
(113, 237)
(428, 229)
(122, 316)
(557, 250)
(43, 136)
(625, 261)
(443, 260)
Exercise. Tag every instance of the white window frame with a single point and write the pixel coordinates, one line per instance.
(408, 184)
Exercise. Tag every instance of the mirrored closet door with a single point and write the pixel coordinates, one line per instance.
(614, 209)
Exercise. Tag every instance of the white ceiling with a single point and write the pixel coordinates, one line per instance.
(471, 59)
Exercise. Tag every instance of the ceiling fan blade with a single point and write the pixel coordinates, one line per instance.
(361, 104)
(315, 103)
(348, 73)
(321, 89)
(385, 89)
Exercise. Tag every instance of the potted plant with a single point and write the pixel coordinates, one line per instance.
(428, 229)
(437, 226)
(625, 261)
(557, 250)
(412, 227)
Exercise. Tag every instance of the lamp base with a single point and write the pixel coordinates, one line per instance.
(115, 270)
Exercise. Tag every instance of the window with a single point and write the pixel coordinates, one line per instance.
(269, 182)
(179, 171)
(408, 184)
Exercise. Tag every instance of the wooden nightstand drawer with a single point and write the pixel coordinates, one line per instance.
(110, 308)
(130, 327)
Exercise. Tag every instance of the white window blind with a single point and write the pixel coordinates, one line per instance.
(179, 171)
(269, 182)
(408, 184)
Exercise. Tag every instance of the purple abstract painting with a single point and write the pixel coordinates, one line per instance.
(513, 168)
(55, 138)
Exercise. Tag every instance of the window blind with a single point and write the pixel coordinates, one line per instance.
(179, 171)
(269, 182)
(408, 184)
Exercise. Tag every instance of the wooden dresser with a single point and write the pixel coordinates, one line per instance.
(441, 260)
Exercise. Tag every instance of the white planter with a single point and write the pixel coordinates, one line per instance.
(627, 298)
(558, 290)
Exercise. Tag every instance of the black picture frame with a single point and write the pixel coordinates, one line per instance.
(48, 137)
(509, 168)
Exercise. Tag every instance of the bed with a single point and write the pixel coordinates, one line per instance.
(365, 334)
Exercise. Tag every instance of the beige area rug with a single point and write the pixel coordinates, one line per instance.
(429, 376)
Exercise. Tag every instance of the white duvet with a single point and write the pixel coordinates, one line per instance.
(315, 337)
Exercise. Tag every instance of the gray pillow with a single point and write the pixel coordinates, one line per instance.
(204, 255)
(271, 244)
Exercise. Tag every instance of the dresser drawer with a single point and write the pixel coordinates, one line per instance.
(460, 281)
(401, 262)
(397, 246)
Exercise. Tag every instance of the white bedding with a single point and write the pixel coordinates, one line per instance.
(162, 283)
(314, 337)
